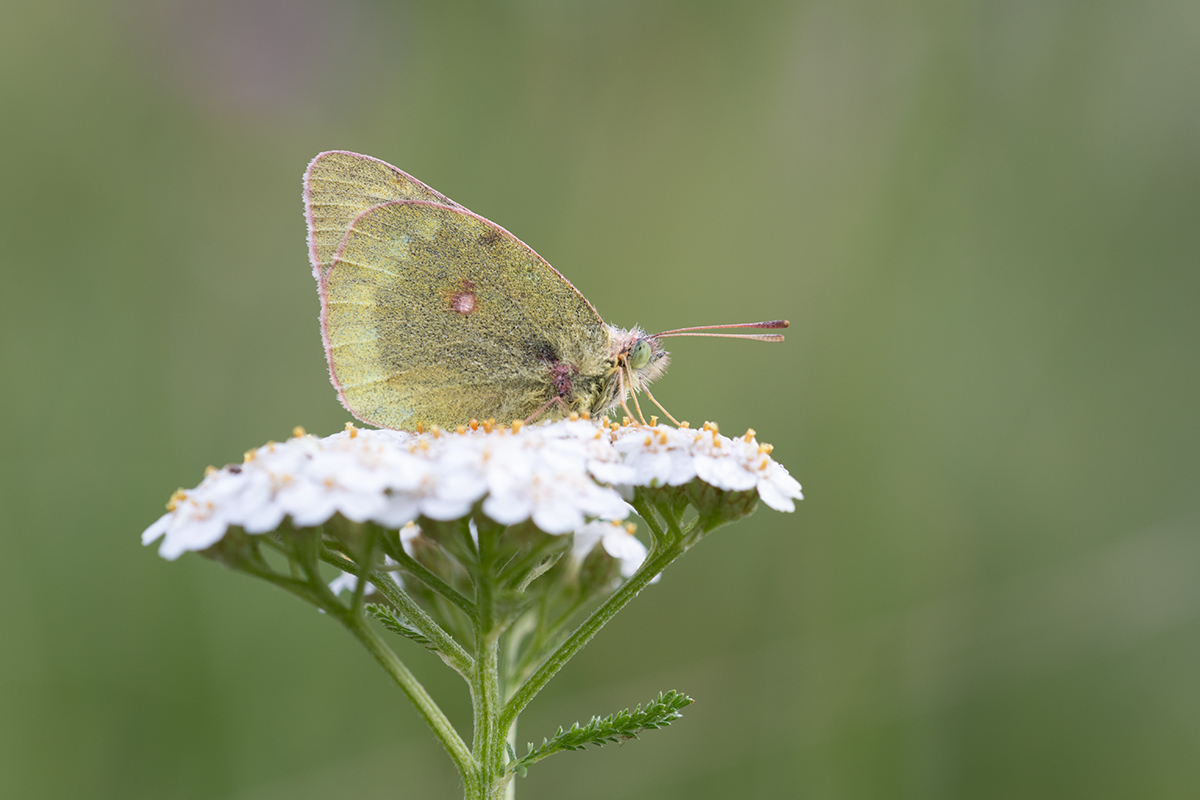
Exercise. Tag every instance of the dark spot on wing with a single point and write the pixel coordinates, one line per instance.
(489, 238)
(543, 351)
(464, 301)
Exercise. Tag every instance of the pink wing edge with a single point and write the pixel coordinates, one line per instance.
(323, 291)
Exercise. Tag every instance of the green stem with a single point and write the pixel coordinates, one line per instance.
(427, 577)
(419, 571)
(524, 667)
(315, 591)
(451, 651)
(426, 707)
(302, 589)
(489, 739)
(362, 573)
(666, 549)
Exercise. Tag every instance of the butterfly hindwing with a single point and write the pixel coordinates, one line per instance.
(434, 315)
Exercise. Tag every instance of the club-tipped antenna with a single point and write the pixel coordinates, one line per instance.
(758, 337)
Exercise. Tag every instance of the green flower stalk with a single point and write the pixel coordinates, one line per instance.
(502, 550)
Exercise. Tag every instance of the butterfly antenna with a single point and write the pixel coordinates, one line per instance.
(759, 337)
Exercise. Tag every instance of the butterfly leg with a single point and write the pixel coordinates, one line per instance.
(545, 406)
(621, 390)
(660, 406)
(638, 406)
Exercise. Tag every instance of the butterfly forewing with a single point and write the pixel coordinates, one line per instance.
(434, 315)
(339, 186)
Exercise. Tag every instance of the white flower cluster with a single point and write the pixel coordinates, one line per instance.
(559, 475)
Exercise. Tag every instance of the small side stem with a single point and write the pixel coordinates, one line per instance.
(364, 570)
(662, 555)
(510, 791)
(427, 577)
(426, 707)
(456, 656)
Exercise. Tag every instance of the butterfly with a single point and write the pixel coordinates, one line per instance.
(432, 315)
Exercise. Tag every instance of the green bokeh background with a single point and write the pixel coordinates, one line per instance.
(983, 220)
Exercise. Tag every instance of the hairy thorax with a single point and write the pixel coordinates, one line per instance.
(602, 391)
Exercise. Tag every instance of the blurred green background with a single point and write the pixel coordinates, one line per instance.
(983, 220)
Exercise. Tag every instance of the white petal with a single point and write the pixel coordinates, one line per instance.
(307, 504)
(683, 468)
(440, 509)
(158, 528)
(779, 490)
(267, 518)
(624, 547)
(398, 510)
(774, 498)
(194, 534)
(508, 509)
(344, 583)
(557, 517)
(407, 534)
(584, 539)
(403, 471)
(612, 472)
(359, 506)
(652, 469)
(347, 582)
(725, 473)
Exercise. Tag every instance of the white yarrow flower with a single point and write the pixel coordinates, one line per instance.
(561, 476)
(616, 539)
(348, 582)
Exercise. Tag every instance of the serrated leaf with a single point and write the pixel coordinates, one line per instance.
(599, 731)
(514, 764)
(390, 620)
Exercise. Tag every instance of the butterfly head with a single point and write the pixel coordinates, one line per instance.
(640, 357)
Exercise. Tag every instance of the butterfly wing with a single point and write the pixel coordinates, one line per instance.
(433, 315)
(338, 186)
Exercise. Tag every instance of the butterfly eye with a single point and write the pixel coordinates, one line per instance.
(639, 356)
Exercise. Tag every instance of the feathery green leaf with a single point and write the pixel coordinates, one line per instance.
(600, 731)
(391, 620)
